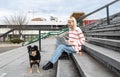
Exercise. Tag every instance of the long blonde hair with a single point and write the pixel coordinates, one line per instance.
(75, 22)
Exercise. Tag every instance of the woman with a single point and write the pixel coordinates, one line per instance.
(76, 39)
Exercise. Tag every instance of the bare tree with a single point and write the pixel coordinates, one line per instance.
(16, 22)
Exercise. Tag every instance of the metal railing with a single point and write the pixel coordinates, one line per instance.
(107, 11)
(46, 35)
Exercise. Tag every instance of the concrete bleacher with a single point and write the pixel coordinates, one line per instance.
(102, 46)
(113, 19)
(106, 56)
(101, 54)
(101, 57)
(89, 67)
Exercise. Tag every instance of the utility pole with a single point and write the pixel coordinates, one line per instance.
(32, 11)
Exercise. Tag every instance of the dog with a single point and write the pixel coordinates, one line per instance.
(34, 57)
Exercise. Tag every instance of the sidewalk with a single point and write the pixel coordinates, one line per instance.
(4, 47)
(15, 63)
(9, 44)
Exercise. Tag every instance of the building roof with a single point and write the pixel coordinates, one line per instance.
(38, 19)
(77, 14)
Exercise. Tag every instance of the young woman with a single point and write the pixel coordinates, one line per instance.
(76, 39)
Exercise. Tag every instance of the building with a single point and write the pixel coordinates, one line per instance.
(83, 22)
(31, 33)
(38, 19)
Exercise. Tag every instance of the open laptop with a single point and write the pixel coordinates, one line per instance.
(61, 40)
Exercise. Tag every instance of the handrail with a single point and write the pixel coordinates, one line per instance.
(6, 33)
(82, 17)
(47, 35)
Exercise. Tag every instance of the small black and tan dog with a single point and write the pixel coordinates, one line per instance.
(34, 57)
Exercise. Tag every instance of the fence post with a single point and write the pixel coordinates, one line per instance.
(39, 39)
(107, 10)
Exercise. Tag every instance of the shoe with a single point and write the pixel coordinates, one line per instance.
(49, 65)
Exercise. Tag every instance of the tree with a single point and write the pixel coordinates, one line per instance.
(16, 22)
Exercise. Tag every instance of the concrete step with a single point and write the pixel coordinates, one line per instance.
(105, 34)
(89, 67)
(107, 43)
(11, 56)
(106, 56)
(66, 68)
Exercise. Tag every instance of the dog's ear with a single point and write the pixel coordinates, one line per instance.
(36, 47)
(29, 47)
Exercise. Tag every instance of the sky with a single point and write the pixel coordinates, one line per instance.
(62, 9)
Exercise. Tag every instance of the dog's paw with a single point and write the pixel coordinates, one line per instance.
(38, 71)
(30, 71)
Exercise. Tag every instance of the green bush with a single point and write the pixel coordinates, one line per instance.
(16, 41)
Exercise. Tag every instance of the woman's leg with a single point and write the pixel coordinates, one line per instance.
(57, 53)
(59, 50)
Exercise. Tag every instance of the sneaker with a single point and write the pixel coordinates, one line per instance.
(49, 65)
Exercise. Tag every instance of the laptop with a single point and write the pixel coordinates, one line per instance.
(61, 40)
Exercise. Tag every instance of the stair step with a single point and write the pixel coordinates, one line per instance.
(89, 67)
(66, 69)
(107, 43)
(108, 57)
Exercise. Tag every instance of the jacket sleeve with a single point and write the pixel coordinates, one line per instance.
(81, 37)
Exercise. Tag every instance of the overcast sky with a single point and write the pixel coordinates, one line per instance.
(58, 8)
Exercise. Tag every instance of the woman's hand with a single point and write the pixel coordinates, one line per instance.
(69, 42)
(80, 53)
